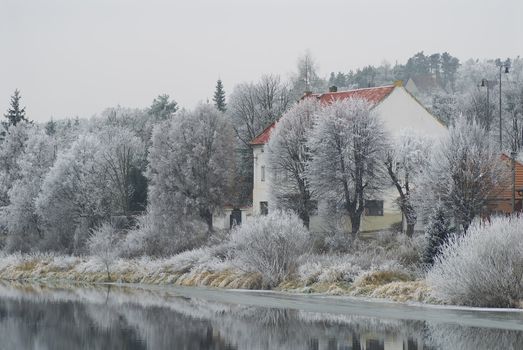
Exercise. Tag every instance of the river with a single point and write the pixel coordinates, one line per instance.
(46, 316)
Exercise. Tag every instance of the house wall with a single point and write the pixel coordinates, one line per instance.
(398, 111)
(401, 110)
(411, 86)
(260, 190)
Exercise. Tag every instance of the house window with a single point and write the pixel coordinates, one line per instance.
(263, 172)
(264, 208)
(373, 208)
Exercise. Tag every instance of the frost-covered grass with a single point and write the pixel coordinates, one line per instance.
(196, 267)
(483, 267)
(279, 257)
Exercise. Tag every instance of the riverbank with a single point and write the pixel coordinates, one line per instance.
(186, 270)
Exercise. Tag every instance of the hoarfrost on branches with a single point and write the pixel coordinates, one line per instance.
(404, 161)
(287, 158)
(189, 165)
(347, 145)
(463, 172)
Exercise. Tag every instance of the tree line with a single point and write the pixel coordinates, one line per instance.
(164, 170)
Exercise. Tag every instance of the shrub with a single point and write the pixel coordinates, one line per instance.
(103, 244)
(270, 245)
(483, 267)
(438, 231)
(147, 238)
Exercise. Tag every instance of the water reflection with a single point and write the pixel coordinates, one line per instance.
(43, 317)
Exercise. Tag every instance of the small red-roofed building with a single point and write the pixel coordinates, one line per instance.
(397, 108)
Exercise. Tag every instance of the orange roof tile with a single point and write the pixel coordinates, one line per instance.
(374, 95)
(264, 136)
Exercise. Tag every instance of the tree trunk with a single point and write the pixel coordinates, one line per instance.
(410, 228)
(206, 215)
(306, 220)
(108, 273)
(355, 221)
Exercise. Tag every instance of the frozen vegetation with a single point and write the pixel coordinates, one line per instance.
(131, 195)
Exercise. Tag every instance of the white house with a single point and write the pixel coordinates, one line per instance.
(398, 110)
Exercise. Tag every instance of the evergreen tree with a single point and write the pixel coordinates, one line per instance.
(50, 127)
(437, 232)
(219, 97)
(449, 69)
(15, 114)
(162, 108)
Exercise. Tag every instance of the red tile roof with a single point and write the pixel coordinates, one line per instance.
(264, 136)
(374, 95)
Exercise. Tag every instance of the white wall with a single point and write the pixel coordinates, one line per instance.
(401, 110)
(260, 191)
(398, 111)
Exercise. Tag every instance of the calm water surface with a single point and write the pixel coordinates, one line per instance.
(111, 317)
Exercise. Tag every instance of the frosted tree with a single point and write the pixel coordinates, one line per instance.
(139, 121)
(404, 161)
(445, 107)
(190, 162)
(10, 150)
(287, 159)
(103, 243)
(347, 145)
(252, 107)
(463, 172)
(122, 154)
(23, 224)
(75, 195)
(306, 78)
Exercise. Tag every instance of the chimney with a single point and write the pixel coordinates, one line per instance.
(333, 88)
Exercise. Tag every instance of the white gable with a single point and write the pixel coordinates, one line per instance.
(400, 110)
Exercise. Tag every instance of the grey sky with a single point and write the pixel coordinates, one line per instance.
(77, 57)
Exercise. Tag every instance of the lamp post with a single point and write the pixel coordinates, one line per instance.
(502, 65)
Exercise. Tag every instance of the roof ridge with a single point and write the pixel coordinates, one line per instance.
(354, 90)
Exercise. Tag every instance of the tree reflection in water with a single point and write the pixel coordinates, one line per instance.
(40, 317)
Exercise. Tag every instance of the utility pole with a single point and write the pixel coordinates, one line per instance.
(501, 65)
(513, 161)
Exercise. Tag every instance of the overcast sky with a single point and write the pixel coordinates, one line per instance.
(76, 57)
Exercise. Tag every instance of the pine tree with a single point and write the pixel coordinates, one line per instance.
(437, 232)
(162, 108)
(219, 97)
(50, 127)
(15, 114)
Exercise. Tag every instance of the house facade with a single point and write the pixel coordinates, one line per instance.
(398, 110)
